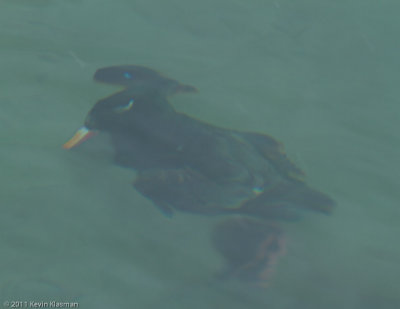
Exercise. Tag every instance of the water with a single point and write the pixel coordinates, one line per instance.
(320, 76)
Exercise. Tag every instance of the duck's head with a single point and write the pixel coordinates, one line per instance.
(122, 113)
(138, 105)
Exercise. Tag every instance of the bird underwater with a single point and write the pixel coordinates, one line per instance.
(185, 164)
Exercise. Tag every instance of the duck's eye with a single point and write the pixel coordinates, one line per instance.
(128, 75)
(124, 108)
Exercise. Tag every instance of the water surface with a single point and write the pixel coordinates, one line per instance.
(320, 76)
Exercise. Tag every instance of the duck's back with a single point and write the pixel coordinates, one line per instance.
(217, 170)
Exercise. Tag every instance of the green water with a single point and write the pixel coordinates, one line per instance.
(321, 76)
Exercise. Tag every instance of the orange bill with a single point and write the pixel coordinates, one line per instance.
(80, 136)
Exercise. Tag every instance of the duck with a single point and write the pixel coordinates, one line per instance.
(186, 164)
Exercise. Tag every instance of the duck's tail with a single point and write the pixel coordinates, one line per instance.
(286, 201)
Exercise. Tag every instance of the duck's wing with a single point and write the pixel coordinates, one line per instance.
(273, 151)
(289, 195)
(186, 189)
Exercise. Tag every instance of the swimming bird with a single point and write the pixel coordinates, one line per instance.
(185, 164)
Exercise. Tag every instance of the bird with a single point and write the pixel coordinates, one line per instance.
(188, 165)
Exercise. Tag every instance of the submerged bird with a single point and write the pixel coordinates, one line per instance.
(188, 165)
